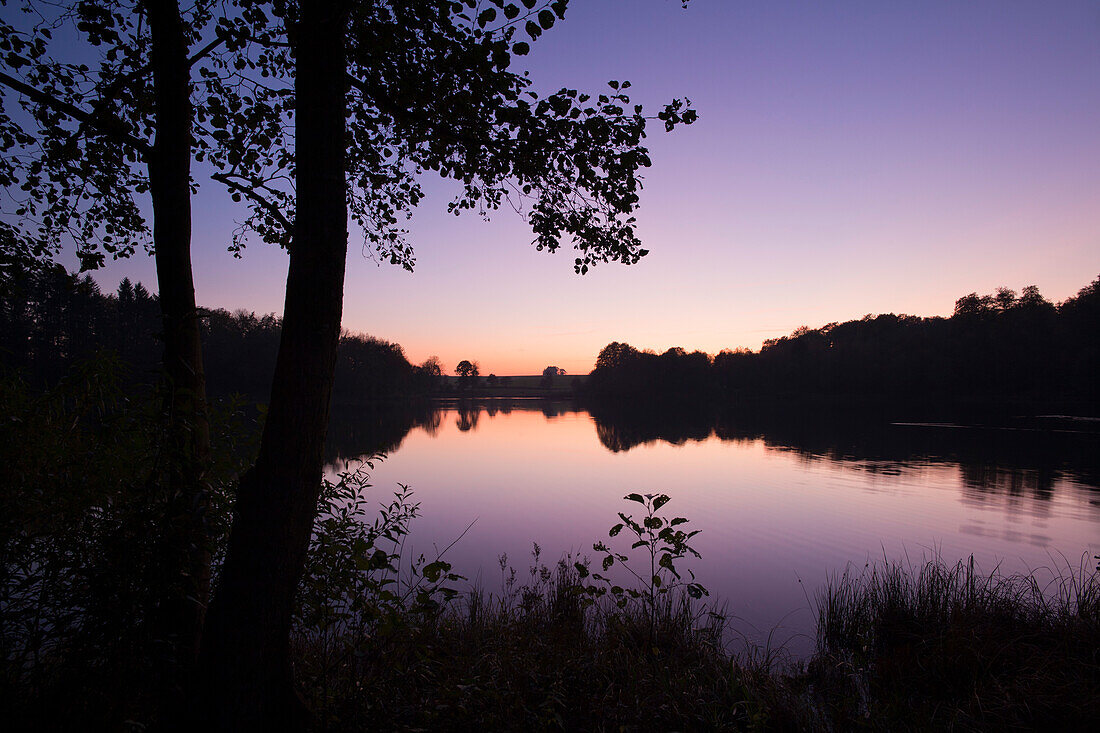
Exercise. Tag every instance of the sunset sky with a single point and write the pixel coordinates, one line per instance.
(850, 158)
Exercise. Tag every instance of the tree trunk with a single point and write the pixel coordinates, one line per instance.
(185, 553)
(245, 677)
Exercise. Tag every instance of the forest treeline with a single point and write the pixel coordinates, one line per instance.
(51, 319)
(993, 347)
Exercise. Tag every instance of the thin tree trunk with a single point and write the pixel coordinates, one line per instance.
(185, 546)
(245, 677)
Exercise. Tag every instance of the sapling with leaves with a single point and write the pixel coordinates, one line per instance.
(664, 543)
(356, 577)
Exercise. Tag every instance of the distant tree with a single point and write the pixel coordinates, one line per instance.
(614, 355)
(969, 305)
(1005, 298)
(467, 372)
(432, 366)
(491, 380)
(548, 375)
(428, 374)
(1031, 297)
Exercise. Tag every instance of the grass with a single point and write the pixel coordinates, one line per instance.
(936, 647)
(947, 647)
(536, 656)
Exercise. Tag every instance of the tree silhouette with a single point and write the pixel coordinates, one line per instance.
(1005, 298)
(432, 366)
(429, 374)
(468, 372)
(381, 92)
(84, 143)
(548, 375)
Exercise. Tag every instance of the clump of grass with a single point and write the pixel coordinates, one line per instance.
(537, 655)
(947, 646)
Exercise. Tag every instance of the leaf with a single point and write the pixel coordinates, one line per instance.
(433, 570)
(660, 501)
(521, 49)
(533, 29)
(615, 530)
(635, 497)
(486, 16)
(546, 19)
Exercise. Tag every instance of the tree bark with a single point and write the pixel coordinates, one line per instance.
(245, 677)
(185, 553)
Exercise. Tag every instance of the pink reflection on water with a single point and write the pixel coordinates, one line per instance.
(775, 522)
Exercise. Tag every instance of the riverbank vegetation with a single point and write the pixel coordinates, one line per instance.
(996, 349)
(51, 319)
(386, 641)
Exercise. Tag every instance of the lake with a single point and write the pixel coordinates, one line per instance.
(784, 499)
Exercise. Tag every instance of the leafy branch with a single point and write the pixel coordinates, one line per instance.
(664, 543)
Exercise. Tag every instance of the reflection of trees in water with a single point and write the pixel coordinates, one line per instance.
(984, 479)
(619, 436)
(381, 428)
(992, 462)
(467, 418)
(431, 422)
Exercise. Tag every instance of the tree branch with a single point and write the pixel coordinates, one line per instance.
(107, 126)
(205, 51)
(250, 193)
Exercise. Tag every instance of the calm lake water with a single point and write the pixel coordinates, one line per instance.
(783, 501)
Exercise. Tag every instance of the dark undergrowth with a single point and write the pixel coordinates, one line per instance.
(929, 647)
(536, 659)
(938, 647)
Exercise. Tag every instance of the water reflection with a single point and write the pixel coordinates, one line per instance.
(782, 496)
(1013, 459)
(1001, 461)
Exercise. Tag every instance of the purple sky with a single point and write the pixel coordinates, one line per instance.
(850, 158)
